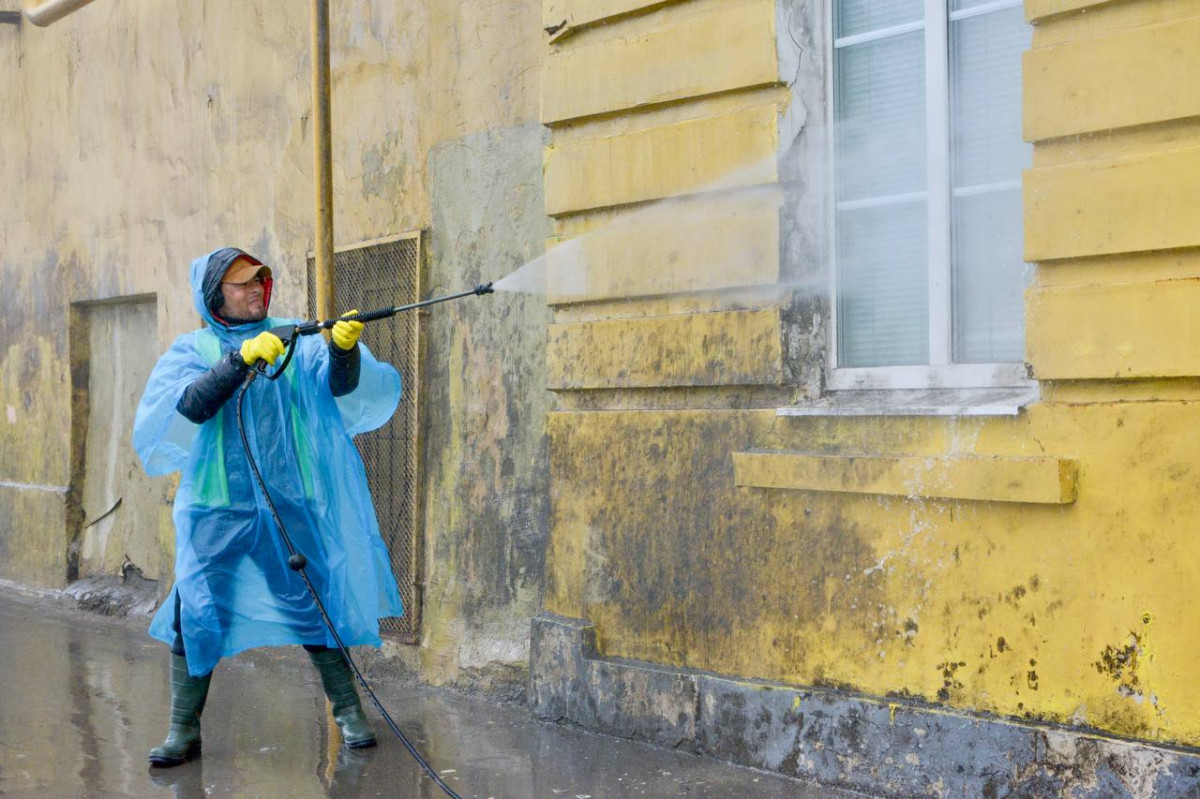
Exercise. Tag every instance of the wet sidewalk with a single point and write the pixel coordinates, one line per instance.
(83, 697)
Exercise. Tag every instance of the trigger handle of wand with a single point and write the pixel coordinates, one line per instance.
(365, 316)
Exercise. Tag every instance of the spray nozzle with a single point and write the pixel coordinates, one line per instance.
(485, 288)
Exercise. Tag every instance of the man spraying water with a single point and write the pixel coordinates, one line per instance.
(233, 588)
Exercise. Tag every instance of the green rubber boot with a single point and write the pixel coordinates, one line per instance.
(188, 694)
(338, 682)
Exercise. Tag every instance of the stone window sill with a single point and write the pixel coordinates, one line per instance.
(918, 402)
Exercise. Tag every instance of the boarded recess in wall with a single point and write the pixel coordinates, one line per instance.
(376, 274)
(120, 504)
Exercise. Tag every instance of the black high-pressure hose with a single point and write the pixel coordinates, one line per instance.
(296, 559)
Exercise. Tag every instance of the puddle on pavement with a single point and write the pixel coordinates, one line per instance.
(83, 699)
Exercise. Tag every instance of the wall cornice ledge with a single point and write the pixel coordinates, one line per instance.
(1038, 480)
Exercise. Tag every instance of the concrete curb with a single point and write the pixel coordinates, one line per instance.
(836, 738)
(20, 589)
(104, 595)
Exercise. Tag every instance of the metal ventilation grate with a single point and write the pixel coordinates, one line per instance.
(375, 274)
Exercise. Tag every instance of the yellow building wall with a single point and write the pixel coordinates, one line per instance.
(1038, 566)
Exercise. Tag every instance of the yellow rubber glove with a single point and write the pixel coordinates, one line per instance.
(266, 345)
(345, 334)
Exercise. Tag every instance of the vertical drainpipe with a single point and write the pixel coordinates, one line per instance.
(322, 159)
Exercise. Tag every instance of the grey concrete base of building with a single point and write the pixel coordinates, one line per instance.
(868, 744)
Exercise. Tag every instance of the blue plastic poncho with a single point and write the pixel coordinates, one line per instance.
(232, 581)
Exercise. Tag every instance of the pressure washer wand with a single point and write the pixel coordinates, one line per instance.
(309, 328)
(290, 334)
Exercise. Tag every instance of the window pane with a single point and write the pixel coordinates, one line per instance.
(989, 278)
(883, 279)
(863, 16)
(881, 239)
(988, 155)
(880, 117)
(985, 96)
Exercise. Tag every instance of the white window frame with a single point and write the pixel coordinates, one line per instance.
(939, 372)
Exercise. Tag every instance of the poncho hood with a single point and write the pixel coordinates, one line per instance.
(205, 278)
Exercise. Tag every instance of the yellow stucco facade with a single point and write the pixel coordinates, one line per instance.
(1037, 566)
(614, 451)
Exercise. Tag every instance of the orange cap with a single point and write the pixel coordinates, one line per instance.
(243, 268)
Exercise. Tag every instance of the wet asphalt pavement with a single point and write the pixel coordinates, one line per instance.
(83, 698)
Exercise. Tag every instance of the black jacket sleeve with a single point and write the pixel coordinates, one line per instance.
(203, 398)
(344, 367)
